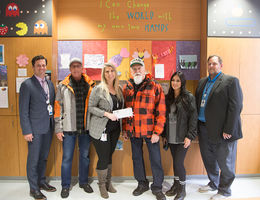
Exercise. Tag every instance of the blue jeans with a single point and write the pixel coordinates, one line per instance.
(69, 142)
(155, 160)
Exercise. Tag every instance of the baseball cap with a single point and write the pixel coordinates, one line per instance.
(136, 61)
(75, 60)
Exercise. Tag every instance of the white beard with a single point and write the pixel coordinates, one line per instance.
(138, 79)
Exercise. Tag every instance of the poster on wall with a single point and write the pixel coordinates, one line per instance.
(66, 51)
(3, 87)
(188, 59)
(2, 57)
(25, 18)
(238, 18)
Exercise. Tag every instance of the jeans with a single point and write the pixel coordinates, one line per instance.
(155, 160)
(69, 142)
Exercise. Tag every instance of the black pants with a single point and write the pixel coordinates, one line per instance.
(178, 155)
(220, 157)
(105, 149)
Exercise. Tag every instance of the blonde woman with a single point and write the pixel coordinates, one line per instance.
(104, 127)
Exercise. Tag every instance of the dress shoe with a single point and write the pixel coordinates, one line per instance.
(47, 187)
(65, 192)
(37, 195)
(159, 195)
(218, 197)
(87, 188)
(206, 188)
(141, 188)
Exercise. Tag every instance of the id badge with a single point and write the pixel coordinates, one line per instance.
(202, 103)
(49, 108)
(103, 137)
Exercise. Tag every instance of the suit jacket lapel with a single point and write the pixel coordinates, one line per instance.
(216, 84)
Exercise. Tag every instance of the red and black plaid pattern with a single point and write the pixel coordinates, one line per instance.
(148, 106)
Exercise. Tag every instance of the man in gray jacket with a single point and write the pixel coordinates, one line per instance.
(71, 105)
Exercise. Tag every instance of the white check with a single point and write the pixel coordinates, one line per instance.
(122, 113)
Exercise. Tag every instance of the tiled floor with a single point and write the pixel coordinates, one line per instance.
(242, 188)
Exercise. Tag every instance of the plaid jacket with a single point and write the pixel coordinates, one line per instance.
(148, 106)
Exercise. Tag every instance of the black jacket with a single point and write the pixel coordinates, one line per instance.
(223, 108)
(186, 120)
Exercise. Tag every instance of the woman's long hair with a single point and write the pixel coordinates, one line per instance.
(183, 96)
(115, 82)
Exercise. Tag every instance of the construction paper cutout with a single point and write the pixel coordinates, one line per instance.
(117, 59)
(40, 27)
(188, 48)
(23, 29)
(94, 47)
(115, 48)
(72, 49)
(22, 60)
(142, 48)
(141, 54)
(164, 52)
(3, 29)
(12, 10)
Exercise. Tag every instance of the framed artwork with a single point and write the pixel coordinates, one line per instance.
(2, 57)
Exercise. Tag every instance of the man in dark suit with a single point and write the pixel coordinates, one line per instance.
(36, 102)
(219, 103)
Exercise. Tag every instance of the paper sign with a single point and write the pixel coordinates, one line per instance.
(22, 72)
(19, 82)
(65, 60)
(159, 70)
(122, 113)
(93, 60)
(3, 97)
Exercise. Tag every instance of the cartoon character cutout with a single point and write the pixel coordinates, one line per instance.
(40, 27)
(141, 54)
(12, 10)
(3, 29)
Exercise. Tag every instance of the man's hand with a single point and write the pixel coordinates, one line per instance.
(28, 137)
(226, 136)
(155, 138)
(186, 142)
(60, 136)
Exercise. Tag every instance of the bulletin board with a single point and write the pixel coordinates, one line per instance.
(25, 18)
(170, 55)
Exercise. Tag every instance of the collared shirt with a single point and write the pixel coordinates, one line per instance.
(44, 85)
(208, 87)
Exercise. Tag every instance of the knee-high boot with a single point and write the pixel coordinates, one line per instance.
(109, 185)
(102, 178)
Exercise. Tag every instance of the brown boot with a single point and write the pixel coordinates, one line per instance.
(102, 176)
(109, 185)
